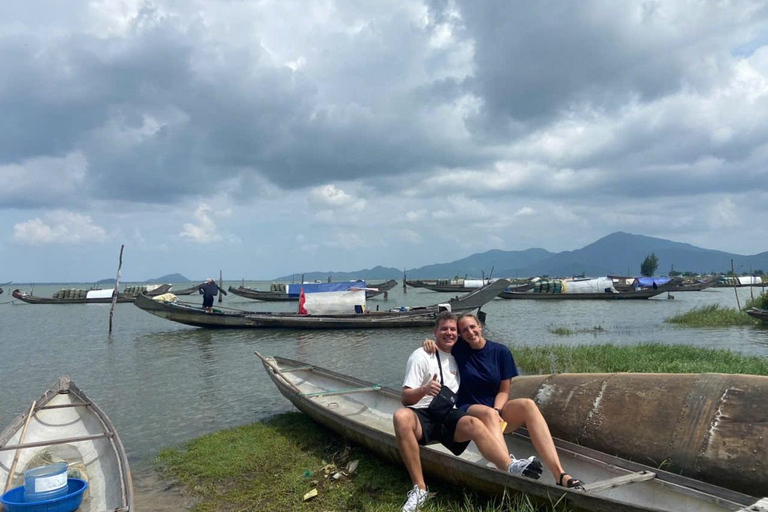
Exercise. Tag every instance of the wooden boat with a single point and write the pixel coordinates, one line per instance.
(79, 296)
(760, 314)
(711, 427)
(33, 299)
(424, 316)
(362, 412)
(65, 426)
(695, 287)
(278, 294)
(629, 295)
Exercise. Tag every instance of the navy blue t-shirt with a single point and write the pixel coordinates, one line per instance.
(481, 371)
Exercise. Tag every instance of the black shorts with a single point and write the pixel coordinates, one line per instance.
(207, 301)
(441, 432)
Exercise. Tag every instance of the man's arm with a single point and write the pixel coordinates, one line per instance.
(411, 396)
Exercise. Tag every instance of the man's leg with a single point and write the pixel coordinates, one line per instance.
(408, 432)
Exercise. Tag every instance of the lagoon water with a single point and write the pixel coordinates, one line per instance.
(163, 383)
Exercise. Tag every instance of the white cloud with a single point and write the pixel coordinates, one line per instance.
(204, 231)
(60, 227)
(334, 197)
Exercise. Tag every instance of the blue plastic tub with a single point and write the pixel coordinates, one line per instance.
(14, 501)
(45, 482)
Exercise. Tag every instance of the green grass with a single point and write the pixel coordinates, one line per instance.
(712, 316)
(270, 466)
(646, 358)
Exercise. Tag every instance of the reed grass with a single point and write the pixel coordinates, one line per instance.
(644, 358)
(713, 315)
(270, 466)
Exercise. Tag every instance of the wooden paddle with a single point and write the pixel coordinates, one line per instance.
(18, 450)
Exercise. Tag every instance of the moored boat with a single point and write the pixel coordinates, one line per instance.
(602, 288)
(280, 292)
(760, 314)
(65, 426)
(78, 298)
(423, 316)
(362, 412)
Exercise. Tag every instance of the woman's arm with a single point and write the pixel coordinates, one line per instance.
(502, 396)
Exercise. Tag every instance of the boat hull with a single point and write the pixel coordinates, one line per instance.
(31, 299)
(67, 426)
(710, 427)
(362, 412)
(760, 314)
(225, 318)
(639, 295)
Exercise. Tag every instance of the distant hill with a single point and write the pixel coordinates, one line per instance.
(616, 254)
(170, 278)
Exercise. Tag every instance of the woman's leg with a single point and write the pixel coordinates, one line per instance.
(524, 411)
(491, 420)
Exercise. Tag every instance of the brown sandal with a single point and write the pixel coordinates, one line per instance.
(571, 483)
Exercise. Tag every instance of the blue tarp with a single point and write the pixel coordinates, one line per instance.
(294, 290)
(647, 282)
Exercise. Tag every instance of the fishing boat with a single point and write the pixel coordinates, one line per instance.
(79, 296)
(422, 316)
(695, 286)
(65, 426)
(739, 281)
(362, 412)
(760, 314)
(602, 288)
(280, 292)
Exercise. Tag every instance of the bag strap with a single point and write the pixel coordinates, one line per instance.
(439, 366)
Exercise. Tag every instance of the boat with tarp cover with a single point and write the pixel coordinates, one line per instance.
(80, 296)
(281, 292)
(345, 310)
(601, 288)
(64, 425)
(361, 411)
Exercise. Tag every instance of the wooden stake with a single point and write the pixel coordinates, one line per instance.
(18, 451)
(221, 284)
(735, 282)
(115, 292)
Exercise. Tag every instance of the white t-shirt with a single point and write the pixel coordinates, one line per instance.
(422, 367)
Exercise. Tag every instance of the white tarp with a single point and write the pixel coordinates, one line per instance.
(334, 303)
(596, 285)
(99, 294)
(750, 280)
(473, 283)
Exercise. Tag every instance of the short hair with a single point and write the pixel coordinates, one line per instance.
(444, 316)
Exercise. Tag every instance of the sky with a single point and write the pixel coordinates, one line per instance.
(264, 138)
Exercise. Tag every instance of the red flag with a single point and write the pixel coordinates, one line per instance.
(302, 300)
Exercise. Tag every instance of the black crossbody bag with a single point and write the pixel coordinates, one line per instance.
(442, 403)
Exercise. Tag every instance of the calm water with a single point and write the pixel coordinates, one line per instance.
(162, 383)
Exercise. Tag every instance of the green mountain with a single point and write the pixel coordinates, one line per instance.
(616, 254)
(170, 278)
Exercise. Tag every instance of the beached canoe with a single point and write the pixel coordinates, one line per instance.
(712, 426)
(362, 412)
(760, 314)
(66, 426)
(423, 316)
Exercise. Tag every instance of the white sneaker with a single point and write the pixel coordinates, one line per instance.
(416, 498)
(530, 467)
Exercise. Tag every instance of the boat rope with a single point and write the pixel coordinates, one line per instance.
(375, 387)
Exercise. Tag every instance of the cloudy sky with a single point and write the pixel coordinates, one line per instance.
(270, 137)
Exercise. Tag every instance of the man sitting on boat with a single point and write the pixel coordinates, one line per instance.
(417, 424)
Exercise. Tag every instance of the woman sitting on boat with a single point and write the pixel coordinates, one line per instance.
(486, 369)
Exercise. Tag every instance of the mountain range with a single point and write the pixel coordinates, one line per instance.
(616, 254)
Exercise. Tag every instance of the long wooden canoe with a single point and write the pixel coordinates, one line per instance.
(760, 314)
(121, 297)
(33, 299)
(65, 426)
(633, 295)
(192, 314)
(278, 296)
(711, 427)
(362, 412)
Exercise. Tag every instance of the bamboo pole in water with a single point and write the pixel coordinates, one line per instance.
(735, 282)
(115, 292)
(221, 285)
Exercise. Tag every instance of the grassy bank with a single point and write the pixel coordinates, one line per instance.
(712, 316)
(272, 465)
(646, 358)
